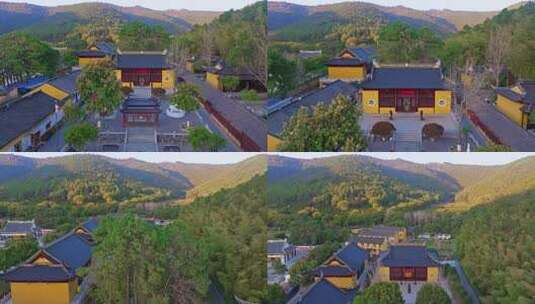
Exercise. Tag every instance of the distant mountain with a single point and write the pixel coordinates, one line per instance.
(178, 178)
(468, 185)
(24, 16)
(286, 17)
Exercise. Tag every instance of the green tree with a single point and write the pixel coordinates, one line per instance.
(16, 252)
(432, 294)
(139, 36)
(187, 97)
(99, 88)
(325, 127)
(230, 83)
(79, 135)
(202, 139)
(281, 77)
(384, 293)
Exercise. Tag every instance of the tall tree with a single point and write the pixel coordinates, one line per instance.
(384, 293)
(432, 294)
(498, 51)
(99, 88)
(325, 127)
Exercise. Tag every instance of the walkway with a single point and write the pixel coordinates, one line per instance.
(474, 299)
(507, 131)
(241, 118)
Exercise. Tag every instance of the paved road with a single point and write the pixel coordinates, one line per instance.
(464, 280)
(509, 133)
(236, 113)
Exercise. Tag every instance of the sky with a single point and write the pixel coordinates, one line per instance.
(486, 159)
(206, 5)
(472, 5)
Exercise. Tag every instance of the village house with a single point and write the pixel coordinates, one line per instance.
(280, 250)
(50, 275)
(407, 98)
(518, 102)
(31, 119)
(344, 268)
(96, 53)
(408, 263)
(377, 239)
(246, 80)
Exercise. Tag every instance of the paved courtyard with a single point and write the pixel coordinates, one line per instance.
(172, 132)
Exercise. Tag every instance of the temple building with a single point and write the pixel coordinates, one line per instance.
(344, 268)
(145, 69)
(351, 65)
(140, 111)
(280, 250)
(323, 291)
(28, 121)
(19, 230)
(377, 239)
(215, 77)
(408, 263)
(96, 53)
(518, 103)
(50, 275)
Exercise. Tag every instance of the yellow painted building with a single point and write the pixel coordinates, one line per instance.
(348, 66)
(43, 292)
(145, 69)
(96, 53)
(273, 143)
(518, 103)
(214, 80)
(408, 263)
(344, 268)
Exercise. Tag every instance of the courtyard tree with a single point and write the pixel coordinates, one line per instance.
(187, 97)
(325, 127)
(230, 83)
(432, 294)
(498, 51)
(79, 135)
(384, 293)
(201, 139)
(99, 88)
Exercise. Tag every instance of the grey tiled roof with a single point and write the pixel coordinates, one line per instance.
(353, 256)
(73, 250)
(138, 60)
(325, 292)
(277, 119)
(405, 78)
(407, 256)
(364, 53)
(24, 114)
(276, 247)
(328, 271)
(345, 62)
(106, 47)
(40, 273)
(66, 83)
(91, 224)
(528, 98)
(18, 227)
(90, 53)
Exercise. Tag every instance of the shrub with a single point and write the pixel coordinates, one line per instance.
(249, 95)
(432, 294)
(187, 97)
(433, 131)
(158, 92)
(230, 83)
(201, 139)
(79, 135)
(383, 129)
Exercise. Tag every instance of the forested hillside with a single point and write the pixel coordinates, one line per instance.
(218, 240)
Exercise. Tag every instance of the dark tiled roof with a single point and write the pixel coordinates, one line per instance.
(345, 62)
(148, 61)
(380, 231)
(89, 53)
(72, 250)
(333, 271)
(106, 47)
(405, 78)
(276, 247)
(91, 225)
(24, 114)
(277, 119)
(366, 54)
(510, 94)
(66, 83)
(140, 104)
(405, 256)
(231, 71)
(40, 273)
(18, 227)
(324, 292)
(353, 256)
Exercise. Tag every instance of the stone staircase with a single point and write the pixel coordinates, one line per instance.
(141, 139)
(408, 135)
